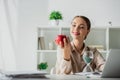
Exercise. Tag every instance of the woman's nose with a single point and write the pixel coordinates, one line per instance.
(76, 28)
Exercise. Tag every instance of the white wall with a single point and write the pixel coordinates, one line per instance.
(31, 13)
(99, 11)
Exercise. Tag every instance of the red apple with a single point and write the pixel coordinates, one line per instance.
(59, 39)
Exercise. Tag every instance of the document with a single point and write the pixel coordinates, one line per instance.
(89, 74)
(26, 74)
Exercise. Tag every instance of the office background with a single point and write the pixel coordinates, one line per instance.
(33, 13)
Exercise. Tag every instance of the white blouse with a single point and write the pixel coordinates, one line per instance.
(76, 63)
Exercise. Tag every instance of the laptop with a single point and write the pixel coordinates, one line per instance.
(112, 65)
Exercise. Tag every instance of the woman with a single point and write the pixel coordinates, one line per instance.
(69, 59)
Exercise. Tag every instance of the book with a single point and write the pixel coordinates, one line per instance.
(41, 43)
(99, 47)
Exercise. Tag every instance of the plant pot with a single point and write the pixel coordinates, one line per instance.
(54, 22)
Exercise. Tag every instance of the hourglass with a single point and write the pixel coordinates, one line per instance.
(87, 57)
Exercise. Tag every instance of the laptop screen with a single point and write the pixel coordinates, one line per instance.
(112, 65)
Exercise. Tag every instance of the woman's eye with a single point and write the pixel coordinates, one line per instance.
(73, 25)
(81, 27)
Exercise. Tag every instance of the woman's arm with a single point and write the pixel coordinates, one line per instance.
(63, 63)
(62, 66)
(99, 60)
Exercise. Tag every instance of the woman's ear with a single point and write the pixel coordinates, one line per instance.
(87, 34)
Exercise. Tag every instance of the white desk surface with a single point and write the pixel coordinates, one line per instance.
(77, 77)
(69, 77)
(60, 77)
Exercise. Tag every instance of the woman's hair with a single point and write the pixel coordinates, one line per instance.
(86, 20)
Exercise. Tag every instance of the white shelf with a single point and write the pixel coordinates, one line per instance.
(108, 37)
(48, 51)
(48, 27)
(103, 51)
(99, 35)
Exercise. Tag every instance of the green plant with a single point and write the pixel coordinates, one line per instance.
(55, 15)
(42, 65)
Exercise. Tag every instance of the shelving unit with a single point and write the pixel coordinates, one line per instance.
(98, 37)
(102, 36)
(114, 38)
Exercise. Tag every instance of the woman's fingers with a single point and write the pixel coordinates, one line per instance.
(61, 44)
(66, 41)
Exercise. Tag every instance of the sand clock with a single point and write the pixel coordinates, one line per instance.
(87, 57)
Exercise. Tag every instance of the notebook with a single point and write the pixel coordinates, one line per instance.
(112, 65)
(26, 74)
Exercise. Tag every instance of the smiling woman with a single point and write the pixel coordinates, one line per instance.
(70, 57)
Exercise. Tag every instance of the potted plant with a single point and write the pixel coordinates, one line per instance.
(55, 16)
(42, 65)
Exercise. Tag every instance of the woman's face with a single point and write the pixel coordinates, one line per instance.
(79, 29)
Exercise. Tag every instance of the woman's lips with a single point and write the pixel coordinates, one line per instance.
(76, 33)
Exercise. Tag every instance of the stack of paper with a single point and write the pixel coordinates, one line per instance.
(89, 74)
(26, 74)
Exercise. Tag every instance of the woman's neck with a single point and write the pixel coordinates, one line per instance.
(79, 45)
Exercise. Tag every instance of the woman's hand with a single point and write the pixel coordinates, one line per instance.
(66, 48)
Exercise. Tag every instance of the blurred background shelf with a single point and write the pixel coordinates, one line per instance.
(46, 51)
(102, 37)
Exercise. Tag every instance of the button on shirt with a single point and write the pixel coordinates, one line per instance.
(76, 63)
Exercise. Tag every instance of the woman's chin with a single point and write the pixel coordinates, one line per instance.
(75, 37)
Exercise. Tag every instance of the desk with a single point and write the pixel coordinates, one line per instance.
(70, 77)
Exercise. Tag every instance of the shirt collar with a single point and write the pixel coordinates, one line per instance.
(74, 49)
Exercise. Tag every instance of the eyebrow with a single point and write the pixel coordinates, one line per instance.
(80, 24)
(73, 23)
